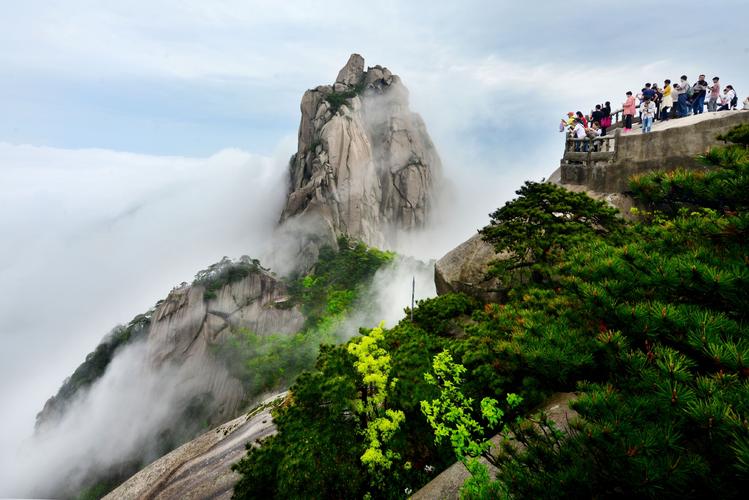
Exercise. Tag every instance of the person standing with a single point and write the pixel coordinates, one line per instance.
(579, 133)
(581, 117)
(712, 104)
(597, 114)
(647, 108)
(629, 111)
(682, 104)
(606, 120)
(667, 102)
(658, 100)
(699, 90)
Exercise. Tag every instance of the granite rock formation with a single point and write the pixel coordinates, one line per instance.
(464, 269)
(365, 165)
(202, 468)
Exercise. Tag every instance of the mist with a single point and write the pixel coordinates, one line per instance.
(114, 422)
(93, 237)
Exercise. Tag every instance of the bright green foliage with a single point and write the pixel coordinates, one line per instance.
(451, 414)
(373, 364)
(545, 220)
(317, 452)
(451, 417)
(647, 321)
(270, 362)
(337, 280)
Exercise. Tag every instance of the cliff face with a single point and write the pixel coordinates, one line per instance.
(365, 165)
(186, 327)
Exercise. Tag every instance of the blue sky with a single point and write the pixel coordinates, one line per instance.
(182, 78)
(142, 140)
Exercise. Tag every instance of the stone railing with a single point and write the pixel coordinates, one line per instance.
(589, 151)
(605, 164)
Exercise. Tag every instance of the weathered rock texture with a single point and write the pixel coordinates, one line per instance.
(365, 165)
(186, 327)
(464, 269)
(201, 468)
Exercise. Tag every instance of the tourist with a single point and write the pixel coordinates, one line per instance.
(727, 100)
(667, 101)
(597, 114)
(658, 100)
(746, 104)
(648, 92)
(566, 122)
(682, 106)
(594, 132)
(712, 104)
(699, 90)
(647, 108)
(581, 117)
(606, 120)
(579, 133)
(629, 111)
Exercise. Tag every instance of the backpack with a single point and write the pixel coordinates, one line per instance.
(690, 90)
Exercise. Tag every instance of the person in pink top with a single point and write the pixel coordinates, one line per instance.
(712, 104)
(629, 111)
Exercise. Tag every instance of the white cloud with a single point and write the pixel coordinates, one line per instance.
(93, 237)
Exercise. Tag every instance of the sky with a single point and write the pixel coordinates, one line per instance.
(141, 141)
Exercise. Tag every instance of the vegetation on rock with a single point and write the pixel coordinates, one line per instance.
(646, 320)
(327, 295)
(338, 99)
(225, 272)
(94, 365)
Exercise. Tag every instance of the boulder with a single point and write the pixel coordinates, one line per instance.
(351, 74)
(464, 269)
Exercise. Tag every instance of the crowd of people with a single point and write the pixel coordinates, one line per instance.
(663, 103)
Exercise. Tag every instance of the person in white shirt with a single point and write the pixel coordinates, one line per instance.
(648, 110)
(579, 133)
(727, 98)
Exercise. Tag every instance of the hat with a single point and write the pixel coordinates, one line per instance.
(570, 113)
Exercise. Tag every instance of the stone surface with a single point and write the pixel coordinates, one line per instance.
(464, 269)
(446, 486)
(671, 144)
(201, 468)
(186, 327)
(365, 167)
(351, 74)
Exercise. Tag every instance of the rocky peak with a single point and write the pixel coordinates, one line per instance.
(351, 74)
(365, 164)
